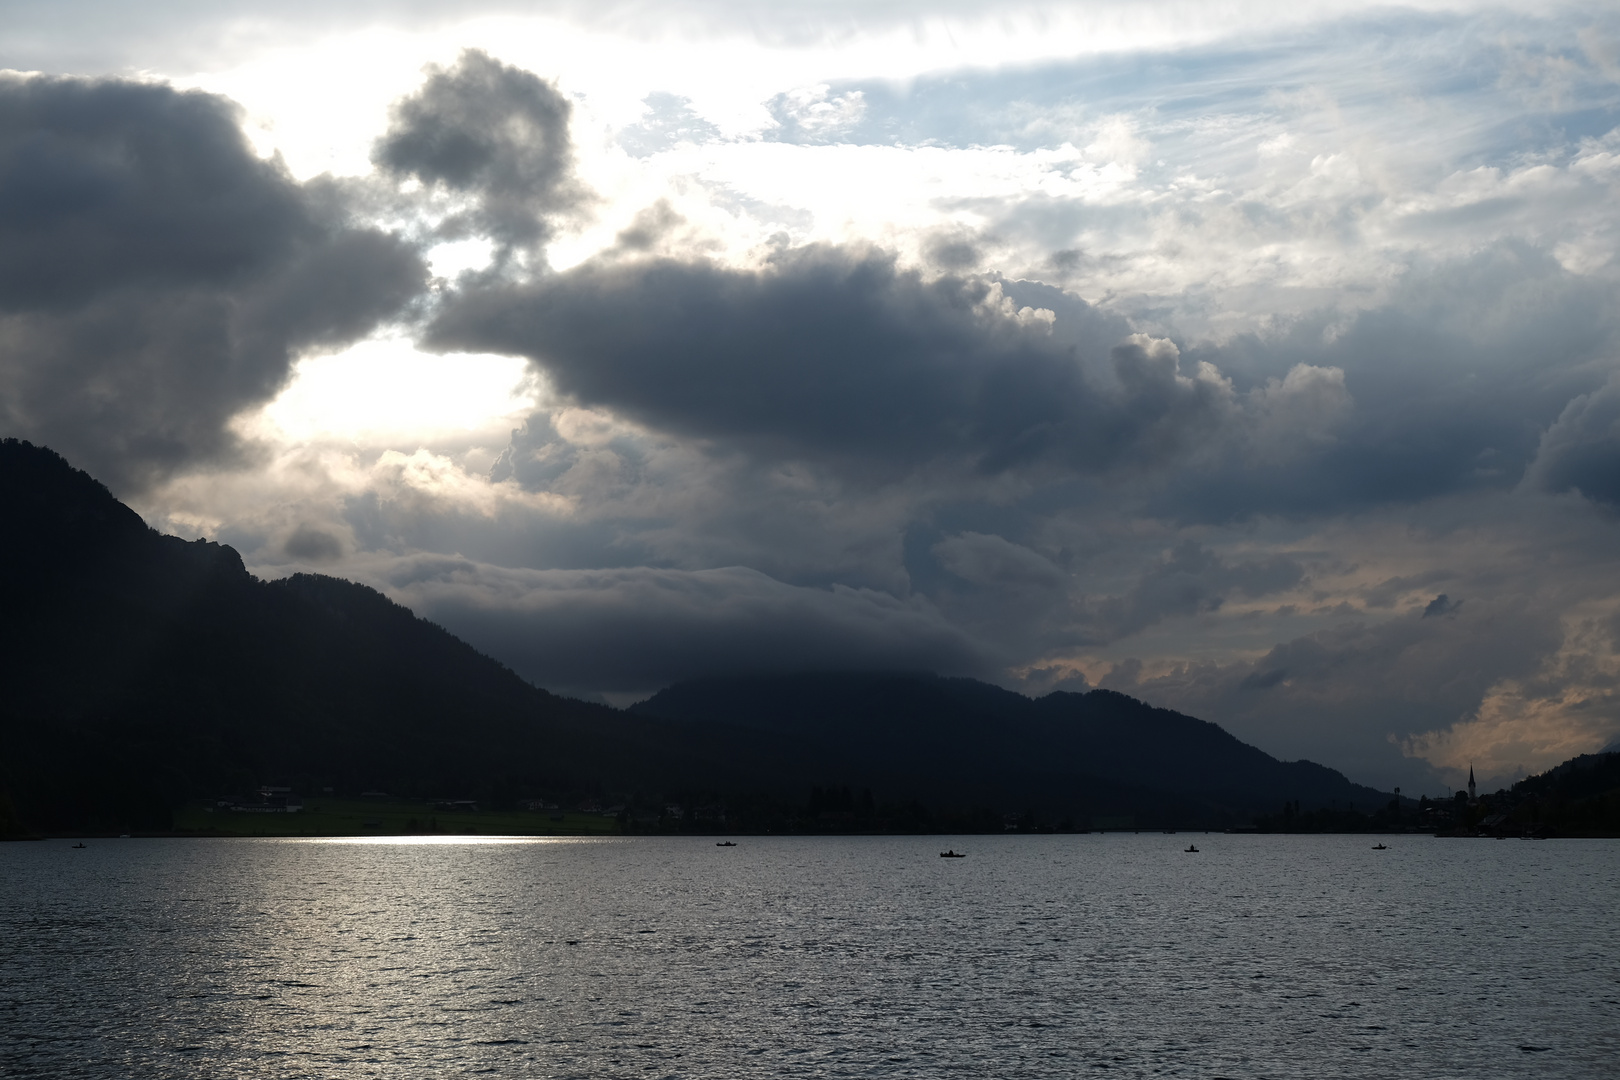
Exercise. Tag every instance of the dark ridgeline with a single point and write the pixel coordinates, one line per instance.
(140, 670)
(1066, 756)
(1581, 797)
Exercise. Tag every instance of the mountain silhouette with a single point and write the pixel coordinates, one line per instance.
(1066, 753)
(141, 670)
(1580, 797)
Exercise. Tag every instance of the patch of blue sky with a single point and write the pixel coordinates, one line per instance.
(669, 121)
(1466, 87)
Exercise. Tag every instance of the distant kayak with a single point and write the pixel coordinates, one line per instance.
(953, 854)
(1191, 849)
(1380, 847)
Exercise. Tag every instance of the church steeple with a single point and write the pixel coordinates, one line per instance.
(1471, 796)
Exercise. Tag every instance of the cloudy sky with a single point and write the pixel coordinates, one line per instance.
(1259, 360)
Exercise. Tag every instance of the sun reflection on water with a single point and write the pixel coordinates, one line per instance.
(441, 841)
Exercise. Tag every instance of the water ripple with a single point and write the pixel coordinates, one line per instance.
(816, 957)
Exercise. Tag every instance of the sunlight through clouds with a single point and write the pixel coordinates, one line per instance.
(387, 391)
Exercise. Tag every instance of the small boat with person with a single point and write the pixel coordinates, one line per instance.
(725, 843)
(1192, 849)
(953, 854)
(1379, 847)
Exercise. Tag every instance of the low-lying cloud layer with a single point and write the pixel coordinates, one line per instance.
(636, 630)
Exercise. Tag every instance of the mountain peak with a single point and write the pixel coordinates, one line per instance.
(47, 498)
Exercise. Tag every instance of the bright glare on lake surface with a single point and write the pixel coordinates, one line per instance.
(1051, 956)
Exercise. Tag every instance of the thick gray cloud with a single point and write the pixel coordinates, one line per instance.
(1029, 603)
(1581, 451)
(1192, 580)
(1453, 383)
(997, 563)
(310, 544)
(156, 277)
(495, 133)
(1341, 694)
(1440, 607)
(844, 359)
(841, 357)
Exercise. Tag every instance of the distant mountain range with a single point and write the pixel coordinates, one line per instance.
(1085, 756)
(141, 670)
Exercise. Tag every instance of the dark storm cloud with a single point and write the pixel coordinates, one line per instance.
(1440, 606)
(639, 628)
(156, 277)
(1453, 384)
(994, 562)
(1192, 580)
(105, 183)
(1017, 596)
(1581, 451)
(1387, 592)
(496, 133)
(313, 545)
(838, 356)
(1340, 693)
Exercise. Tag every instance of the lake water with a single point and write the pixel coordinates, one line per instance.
(1035, 956)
